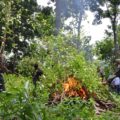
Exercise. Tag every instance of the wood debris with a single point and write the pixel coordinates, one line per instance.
(73, 88)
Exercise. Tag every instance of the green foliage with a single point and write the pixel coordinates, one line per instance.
(111, 12)
(26, 66)
(58, 60)
(58, 56)
(21, 101)
(104, 49)
(17, 102)
(72, 109)
(21, 22)
(44, 22)
(83, 71)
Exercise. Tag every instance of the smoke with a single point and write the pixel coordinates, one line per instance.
(66, 9)
(76, 9)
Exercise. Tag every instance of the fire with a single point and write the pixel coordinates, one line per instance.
(73, 88)
(71, 83)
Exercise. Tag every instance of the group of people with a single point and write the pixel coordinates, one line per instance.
(114, 79)
(35, 76)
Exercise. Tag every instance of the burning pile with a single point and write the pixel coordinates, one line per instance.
(74, 88)
(71, 88)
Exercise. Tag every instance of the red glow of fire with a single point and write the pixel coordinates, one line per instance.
(73, 88)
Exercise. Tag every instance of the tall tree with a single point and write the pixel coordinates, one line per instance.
(75, 9)
(60, 11)
(110, 9)
(20, 23)
(17, 22)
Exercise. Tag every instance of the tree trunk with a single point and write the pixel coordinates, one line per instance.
(114, 28)
(80, 17)
(81, 12)
(115, 37)
(79, 23)
(58, 16)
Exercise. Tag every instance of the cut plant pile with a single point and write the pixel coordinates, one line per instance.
(72, 87)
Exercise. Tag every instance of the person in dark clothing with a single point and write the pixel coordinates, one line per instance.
(3, 69)
(117, 73)
(37, 73)
(116, 84)
(2, 85)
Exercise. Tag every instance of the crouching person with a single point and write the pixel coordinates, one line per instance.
(116, 84)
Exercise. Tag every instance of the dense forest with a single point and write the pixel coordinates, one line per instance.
(49, 70)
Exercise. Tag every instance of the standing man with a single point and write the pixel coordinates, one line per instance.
(2, 85)
(36, 74)
(101, 73)
(3, 69)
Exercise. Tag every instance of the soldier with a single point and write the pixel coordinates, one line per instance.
(2, 70)
(37, 73)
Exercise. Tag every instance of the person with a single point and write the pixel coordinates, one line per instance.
(117, 65)
(116, 84)
(110, 79)
(3, 69)
(36, 74)
(2, 85)
(101, 73)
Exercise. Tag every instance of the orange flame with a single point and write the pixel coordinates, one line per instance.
(73, 88)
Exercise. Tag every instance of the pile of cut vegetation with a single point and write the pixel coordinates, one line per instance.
(72, 87)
